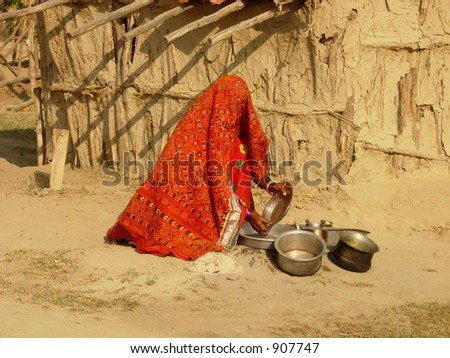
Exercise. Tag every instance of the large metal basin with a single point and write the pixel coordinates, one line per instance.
(249, 237)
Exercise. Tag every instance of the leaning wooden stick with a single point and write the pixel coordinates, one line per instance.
(5, 61)
(406, 153)
(13, 35)
(14, 80)
(20, 47)
(32, 9)
(242, 25)
(18, 41)
(36, 92)
(123, 11)
(204, 21)
(19, 107)
(158, 20)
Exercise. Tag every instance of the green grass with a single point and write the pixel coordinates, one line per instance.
(25, 134)
(18, 125)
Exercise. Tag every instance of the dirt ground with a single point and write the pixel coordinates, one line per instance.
(59, 278)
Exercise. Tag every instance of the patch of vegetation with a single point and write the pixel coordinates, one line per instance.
(25, 134)
(57, 263)
(6, 5)
(41, 262)
(428, 320)
(129, 276)
(45, 295)
(40, 277)
(9, 5)
(151, 281)
(18, 126)
(23, 149)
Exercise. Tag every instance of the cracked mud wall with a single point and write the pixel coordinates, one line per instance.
(367, 80)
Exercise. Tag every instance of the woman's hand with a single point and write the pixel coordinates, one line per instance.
(258, 222)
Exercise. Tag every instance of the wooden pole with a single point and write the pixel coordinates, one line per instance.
(61, 141)
(18, 41)
(283, 2)
(5, 61)
(158, 20)
(14, 80)
(33, 9)
(205, 21)
(12, 36)
(242, 25)
(18, 54)
(53, 56)
(121, 115)
(36, 92)
(123, 11)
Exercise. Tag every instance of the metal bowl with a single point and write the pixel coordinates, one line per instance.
(354, 252)
(250, 238)
(299, 252)
(277, 207)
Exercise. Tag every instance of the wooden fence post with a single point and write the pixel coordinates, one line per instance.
(60, 141)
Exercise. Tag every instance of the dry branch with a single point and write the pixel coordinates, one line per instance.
(247, 24)
(36, 92)
(59, 87)
(343, 119)
(158, 20)
(5, 61)
(20, 47)
(19, 107)
(288, 110)
(33, 9)
(424, 43)
(123, 11)
(406, 153)
(283, 2)
(18, 41)
(14, 80)
(204, 21)
(13, 35)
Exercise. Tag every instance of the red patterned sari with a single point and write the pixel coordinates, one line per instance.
(197, 195)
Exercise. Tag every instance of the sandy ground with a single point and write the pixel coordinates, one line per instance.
(59, 278)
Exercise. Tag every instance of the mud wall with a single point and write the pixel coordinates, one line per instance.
(366, 80)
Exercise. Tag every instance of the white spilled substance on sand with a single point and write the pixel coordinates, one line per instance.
(215, 263)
